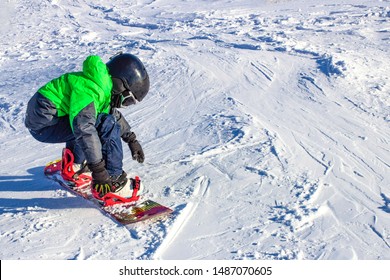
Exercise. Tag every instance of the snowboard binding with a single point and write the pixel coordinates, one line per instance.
(79, 180)
(65, 167)
(68, 173)
(111, 199)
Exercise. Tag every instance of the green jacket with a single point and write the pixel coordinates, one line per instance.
(72, 92)
(82, 96)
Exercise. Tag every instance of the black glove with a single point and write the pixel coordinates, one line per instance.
(101, 180)
(136, 151)
(135, 147)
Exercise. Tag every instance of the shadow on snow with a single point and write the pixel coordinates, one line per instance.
(38, 184)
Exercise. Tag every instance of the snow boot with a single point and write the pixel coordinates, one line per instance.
(125, 190)
(81, 168)
(126, 187)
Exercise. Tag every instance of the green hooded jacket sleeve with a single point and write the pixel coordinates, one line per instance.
(72, 92)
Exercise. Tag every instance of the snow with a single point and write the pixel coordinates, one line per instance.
(266, 129)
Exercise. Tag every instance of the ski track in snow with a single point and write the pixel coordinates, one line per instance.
(185, 215)
(266, 129)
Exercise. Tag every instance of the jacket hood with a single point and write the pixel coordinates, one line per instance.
(97, 71)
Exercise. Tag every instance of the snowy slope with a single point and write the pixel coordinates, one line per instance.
(266, 128)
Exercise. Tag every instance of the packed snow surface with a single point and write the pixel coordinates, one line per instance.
(266, 128)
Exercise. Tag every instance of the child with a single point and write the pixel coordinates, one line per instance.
(80, 109)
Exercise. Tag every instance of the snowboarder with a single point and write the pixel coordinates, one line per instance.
(80, 109)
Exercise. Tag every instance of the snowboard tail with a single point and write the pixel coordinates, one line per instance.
(122, 210)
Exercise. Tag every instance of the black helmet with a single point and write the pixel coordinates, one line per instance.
(130, 70)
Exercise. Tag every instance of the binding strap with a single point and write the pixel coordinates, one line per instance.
(68, 173)
(111, 198)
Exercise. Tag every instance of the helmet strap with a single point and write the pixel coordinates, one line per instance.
(116, 94)
(116, 100)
